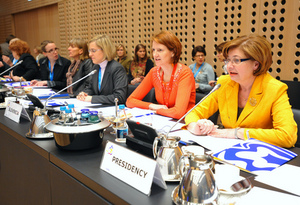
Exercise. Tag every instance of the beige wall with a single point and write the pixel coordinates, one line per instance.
(195, 22)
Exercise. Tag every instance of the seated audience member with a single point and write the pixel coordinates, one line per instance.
(3, 65)
(110, 81)
(53, 67)
(39, 54)
(9, 60)
(80, 67)
(173, 82)
(122, 57)
(140, 65)
(203, 72)
(5, 46)
(252, 104)
(219, 49)
(28, 69)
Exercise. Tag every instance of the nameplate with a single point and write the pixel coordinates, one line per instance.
(14, 111)
(131, 167)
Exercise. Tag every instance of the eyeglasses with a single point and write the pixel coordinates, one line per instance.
(235, 61)
(53, 50)
(94, 50)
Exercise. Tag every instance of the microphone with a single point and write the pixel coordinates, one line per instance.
(213, 90)
(19, 62)
(91, 73)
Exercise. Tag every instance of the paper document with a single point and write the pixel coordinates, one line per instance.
(285, 177)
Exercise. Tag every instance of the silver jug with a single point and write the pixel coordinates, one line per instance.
(197, 185)
(37, 127)
(168, 156)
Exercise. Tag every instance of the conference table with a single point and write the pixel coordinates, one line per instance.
(36, 171)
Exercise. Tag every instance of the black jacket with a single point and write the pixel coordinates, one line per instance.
(59, 73)
(28, 68)
(114, 84)
(85, 68)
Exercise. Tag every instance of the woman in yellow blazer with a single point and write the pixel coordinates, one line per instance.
(252, 104)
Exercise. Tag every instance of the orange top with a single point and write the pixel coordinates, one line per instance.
(183, 86)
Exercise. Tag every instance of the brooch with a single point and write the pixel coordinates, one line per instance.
(252, 101)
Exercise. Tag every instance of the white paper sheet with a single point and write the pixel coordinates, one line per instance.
(285, 177)
(212, 143)
(260, 196)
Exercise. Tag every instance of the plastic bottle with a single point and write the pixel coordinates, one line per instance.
(69, 120)
(122, 127)
(71, 106)
(94, 118)
(62, 114)
(85, 113)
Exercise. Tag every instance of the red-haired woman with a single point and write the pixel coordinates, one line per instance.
(173, 82)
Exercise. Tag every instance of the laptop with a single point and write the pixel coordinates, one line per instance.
(142, 139)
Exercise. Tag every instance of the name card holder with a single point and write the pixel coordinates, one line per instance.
(14, 111)
(131, 167)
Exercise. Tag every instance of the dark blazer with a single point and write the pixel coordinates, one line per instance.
(114, 84)
(28, 68)
(60, 69)
(85, 68)
(4, 67)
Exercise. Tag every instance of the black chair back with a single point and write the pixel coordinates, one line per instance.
(297, 119)
(293, 93)
(150, 97)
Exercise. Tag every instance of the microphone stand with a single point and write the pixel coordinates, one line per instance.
(19, 62)
(213, 90)
(91, 73)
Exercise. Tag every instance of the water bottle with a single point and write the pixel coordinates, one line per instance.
(69, 120)
(121, 126)
(93, 118)
(85, 114)
(62, 114)
(71, 106)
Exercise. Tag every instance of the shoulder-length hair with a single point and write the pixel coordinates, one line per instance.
(104, 42)
(255, 47)
(81, 44)
(169, 40)
(136, 57)
(20, 47)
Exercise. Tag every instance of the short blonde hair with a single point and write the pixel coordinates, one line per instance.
(104, 42)
(255, 47)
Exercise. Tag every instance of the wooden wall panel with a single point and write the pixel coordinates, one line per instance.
(36, 25)
(195, 22)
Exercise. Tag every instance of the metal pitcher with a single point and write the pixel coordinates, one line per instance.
(168, 157)
(198, 184)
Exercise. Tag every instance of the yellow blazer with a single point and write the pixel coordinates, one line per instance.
(267, 115)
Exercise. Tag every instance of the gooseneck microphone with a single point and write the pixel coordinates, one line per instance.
(213, 90)
(91, 73)
(19, 62)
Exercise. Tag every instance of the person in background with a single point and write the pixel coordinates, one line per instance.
(122, 57)
(3, 65)
(252, 104)
(80, 67)
(203, 72)
(10, 60)
(140, 65)
(38, 53)
(5, 46)
(173, 82)
(53, 68)
(110, 81)
(219, 49)
(28, 69)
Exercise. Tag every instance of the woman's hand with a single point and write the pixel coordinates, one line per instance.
(137, 80)
(201, 127)
(197, 85)
(157, 106)
(228, 133)
(84, 97)
(38, 83)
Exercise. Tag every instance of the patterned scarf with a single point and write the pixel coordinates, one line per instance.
(71, 72)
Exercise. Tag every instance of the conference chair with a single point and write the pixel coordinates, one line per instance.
(293, 93)
(297, 119)
(150, 97)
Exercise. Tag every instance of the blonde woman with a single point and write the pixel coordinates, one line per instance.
(110, 80)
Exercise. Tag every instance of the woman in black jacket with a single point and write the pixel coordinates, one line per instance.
(53, 68)
(80, 67)
(26, 70)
